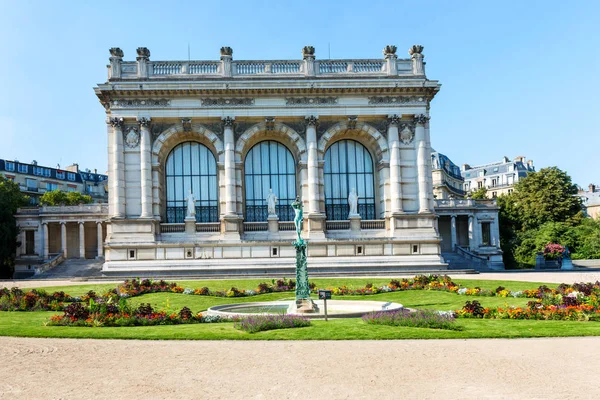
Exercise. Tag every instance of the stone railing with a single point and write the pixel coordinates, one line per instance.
(144, 68)
(475, 259)
(256, 226)
(172, 228)
(287, 226)
(372, 224)
(208, 227)
(337, 225)
(53, 262)
(80, 209)
(465, 203)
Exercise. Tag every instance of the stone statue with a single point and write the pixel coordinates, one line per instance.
(297, 206)
(271, 202)
(353, 203)
(191, 205)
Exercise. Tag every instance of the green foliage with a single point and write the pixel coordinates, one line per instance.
(60, 198)
(541, 210)
(479, 194)
(11, 199)
(546, 196)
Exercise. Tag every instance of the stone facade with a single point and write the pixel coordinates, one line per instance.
(591, 201)
(35, 180)
(314, 128)
(498, 177)
(447, 180)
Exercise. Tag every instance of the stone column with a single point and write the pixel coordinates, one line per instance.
(81, 239)
(145, 167)
(472, 244)
(389, 53)
(116, 168)
(63, 238)
(313, 165)
(395, 171)
(142, 62)
(308, 55)
(226, 61)
(229, 167)
(495, 233)
(116, 59)
(453, 232)
(46, 253)
(429, 168)
(314, 216)
(100, 239)
(417, 59)
(423, 159)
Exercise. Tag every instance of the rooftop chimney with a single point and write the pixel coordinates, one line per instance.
(592, 188)
(73, 167)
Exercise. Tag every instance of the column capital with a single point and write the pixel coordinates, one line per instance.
(144, 121)
(62, 222)
(81, 222)
(115, 122)
(421, 119)
(312, 120)
(228, 121)
(393, 120)
(453, 216)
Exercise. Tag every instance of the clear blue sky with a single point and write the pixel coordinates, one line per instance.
(519, 77)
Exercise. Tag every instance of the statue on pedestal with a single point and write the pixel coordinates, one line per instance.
(353, 203)
(191, 205)
(271, 202)
(297, 206)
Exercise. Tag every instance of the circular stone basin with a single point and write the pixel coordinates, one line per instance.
(335, 308)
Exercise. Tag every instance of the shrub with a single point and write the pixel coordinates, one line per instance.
(415, 319)
(474, 308)
(259, 323)
(76, 311)
(185, 313)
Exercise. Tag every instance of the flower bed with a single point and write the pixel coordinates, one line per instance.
(16, 299)
(260, 323)
(415, 319)
(109, 314)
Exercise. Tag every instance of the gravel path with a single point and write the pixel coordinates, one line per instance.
(410, 369)
(548, 368)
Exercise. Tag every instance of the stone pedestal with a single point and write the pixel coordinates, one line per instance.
(354, 223)
(273, 221)
(567, 264)
(316, 225)
(230, 227)
(190, 225)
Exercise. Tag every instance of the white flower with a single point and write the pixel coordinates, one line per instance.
(462, 291)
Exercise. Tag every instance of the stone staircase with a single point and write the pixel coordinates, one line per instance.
(458, 262)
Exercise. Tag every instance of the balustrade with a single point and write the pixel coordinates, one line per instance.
(172, 228)
(208, 227)
(372, 224)
(203, 68)
(255, 226)
(166, 68)
(287, 226)
(337, 225)
(250, 68)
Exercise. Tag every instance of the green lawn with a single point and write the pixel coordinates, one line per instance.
(32, 324)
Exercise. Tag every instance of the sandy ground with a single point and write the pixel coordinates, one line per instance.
(549, 368)
(410, 369)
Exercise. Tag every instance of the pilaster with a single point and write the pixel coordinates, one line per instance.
(63, 238)
(100, 240)
(423, 160)
(395, 171)
(453, 232)
(117, 168)
(145, 167)
(230, 222)
(46, 253)
(316, 220)
(81, 239)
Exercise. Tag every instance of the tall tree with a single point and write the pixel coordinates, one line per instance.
(11, 199)
(546, 196)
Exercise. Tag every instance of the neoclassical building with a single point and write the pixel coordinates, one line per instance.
(229, 132)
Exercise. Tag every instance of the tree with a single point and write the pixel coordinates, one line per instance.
(547, 196)
(11, 199)
(60, 198)
(479, 194)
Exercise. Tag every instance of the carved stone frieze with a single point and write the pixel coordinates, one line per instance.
(270, 123)
(232, 102)
(304, 101)
(352, 119)
(187, 124)
(376, 100)
(140, 103)
(132, 137)
(406, 134)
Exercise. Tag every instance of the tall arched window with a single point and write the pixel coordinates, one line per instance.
(269, 165)
(348, 165)
(191, 166)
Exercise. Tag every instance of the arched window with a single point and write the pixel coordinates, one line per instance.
(269, 165)
(191, 166)
(348, 165)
